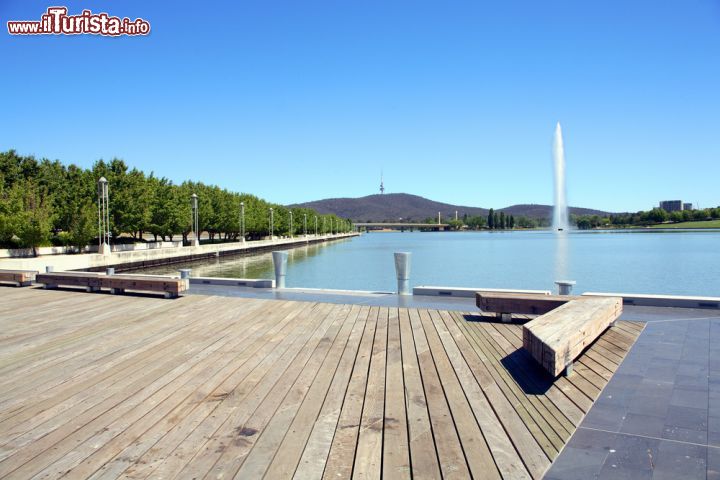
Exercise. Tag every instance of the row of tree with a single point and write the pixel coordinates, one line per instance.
(644, 218)
(44, 202)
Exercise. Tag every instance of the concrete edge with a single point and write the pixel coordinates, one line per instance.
(433, 291)
(648, 300)
(234, 282)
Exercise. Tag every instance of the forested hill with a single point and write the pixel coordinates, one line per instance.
(396, 206)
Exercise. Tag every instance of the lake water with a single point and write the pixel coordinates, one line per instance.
(660, 262)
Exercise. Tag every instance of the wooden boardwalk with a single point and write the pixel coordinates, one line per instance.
(100, 386)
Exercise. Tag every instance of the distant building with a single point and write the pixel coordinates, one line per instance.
(671, 205)
(687, 206)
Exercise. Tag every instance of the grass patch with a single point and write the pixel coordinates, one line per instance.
(700, 224)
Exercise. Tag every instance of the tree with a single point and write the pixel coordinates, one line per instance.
(36, 220)
(83, 225)
(491, 219)
(502, 221)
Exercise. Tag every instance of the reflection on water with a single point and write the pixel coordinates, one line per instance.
(646, 261)
(561, 256)
(242, 266)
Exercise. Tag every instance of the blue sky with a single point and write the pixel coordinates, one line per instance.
(455, 101)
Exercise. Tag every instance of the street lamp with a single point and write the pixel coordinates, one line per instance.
(271, 223)
(316, 225)
(305, 223)
(103, 217)
(291, 230)
(242, 221)
(194, 220)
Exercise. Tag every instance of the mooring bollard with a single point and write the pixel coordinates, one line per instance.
(564, 286)
(49, 269)
(280, 261)
(402, 271)
(185, 273)
(110, 271)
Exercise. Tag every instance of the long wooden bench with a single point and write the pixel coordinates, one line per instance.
(19, 278)
(508, 303)
(566, 325)
(171, 287)
(90, 281)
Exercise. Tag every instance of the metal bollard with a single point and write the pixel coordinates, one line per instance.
(49, 269)
(110, 271)
(402, 271)
(564, 286)
(185, 273)
(280, 261)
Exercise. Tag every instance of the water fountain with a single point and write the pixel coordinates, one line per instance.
(560, 214)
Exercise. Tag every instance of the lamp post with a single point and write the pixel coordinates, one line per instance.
(195, 223)
(271, 223)
(316, 225)
(323, 226)
(305, 223)
(242, 221)
(331, 226)
(103, 217)
(291, 229)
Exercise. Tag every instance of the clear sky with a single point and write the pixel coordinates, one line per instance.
(455, 101)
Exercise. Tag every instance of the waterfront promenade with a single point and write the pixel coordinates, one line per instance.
(102, 386)
(148, 257)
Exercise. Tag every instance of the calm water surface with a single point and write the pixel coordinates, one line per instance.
(667, 262)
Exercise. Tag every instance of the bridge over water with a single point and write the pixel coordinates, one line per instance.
(401, 226)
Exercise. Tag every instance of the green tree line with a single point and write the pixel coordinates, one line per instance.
(48, 203)
(644, 218)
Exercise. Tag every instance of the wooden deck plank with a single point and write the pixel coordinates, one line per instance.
(101, 386)
(231, 392)
(532, 455)
(368, 455)
(342, 451)
(423, 455)
(274, 424)
(317, 449)
(477, 452)
(226, 448)
(504, 454)
(396, 448)
(447, 441)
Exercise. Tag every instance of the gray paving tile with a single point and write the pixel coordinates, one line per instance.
(639, 424)
(687, 417)
(633, 458)
(713, 463)
(689, 397)
(680, 461)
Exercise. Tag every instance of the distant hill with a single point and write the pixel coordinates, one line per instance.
(392, 207)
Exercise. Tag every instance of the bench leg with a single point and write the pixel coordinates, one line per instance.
(92, 289)
(505, 317)
(25, 284)
(171, 295)
(50, 286)
(117, 291)
(568, 370)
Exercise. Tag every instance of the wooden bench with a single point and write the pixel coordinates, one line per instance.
(566, 325)
(171, 287)
(505, 304)
(19, 278)
(558, 337)
(88, 280)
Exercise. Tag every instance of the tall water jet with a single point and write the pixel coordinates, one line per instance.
(560, 214)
